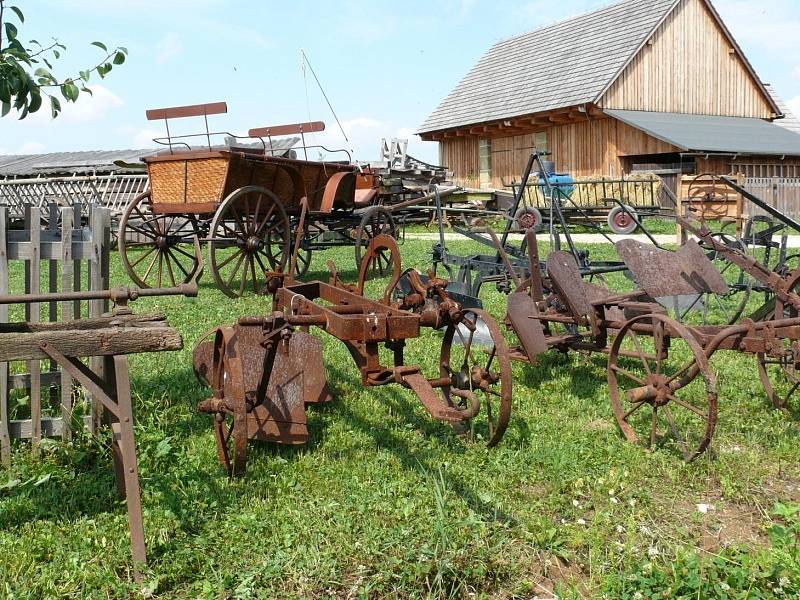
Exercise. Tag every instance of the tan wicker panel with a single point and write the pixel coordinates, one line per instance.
(194, 181)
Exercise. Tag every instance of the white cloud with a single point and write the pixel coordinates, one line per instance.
(168, 48)
(794, 105)
(90, 108)
(143, 138)
(31, 148)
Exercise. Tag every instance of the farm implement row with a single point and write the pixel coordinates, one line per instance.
(264, 370)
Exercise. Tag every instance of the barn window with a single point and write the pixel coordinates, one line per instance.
(485, 161)
(540, 141)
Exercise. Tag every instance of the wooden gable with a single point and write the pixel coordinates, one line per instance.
(690, 64)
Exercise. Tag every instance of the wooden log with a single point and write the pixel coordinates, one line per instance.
(155, 319)
(89, 343)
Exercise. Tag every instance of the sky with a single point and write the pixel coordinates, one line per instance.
(383, 64)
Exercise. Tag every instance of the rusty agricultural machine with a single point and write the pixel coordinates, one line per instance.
(264, 370)
(661, 386)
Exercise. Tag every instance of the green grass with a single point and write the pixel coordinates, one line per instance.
(384, 502)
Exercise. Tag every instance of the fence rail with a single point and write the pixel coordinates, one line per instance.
(782, 193)
(113, 192)
(61, 255)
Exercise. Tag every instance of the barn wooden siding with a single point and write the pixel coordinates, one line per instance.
(688, 66)
(750, 166)
(587, 149)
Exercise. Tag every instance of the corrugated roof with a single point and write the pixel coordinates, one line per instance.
(789, 120)
(565, 64)
(703, 133)
(95, 161)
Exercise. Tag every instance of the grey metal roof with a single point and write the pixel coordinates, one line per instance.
(96, 161)
(703, 133)
(565, 64)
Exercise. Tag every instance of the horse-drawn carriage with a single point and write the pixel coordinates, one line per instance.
(245, 199)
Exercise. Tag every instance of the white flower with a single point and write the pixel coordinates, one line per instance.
(611, 492)
(614, 500)
(725, 587)
(652, 551)
(632, 502)
(575, 503)
(784, 581)
(620, 529)
(581, 521)
(703, 508)
(638, 596)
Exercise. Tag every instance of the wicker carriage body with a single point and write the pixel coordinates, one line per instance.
(196, 182)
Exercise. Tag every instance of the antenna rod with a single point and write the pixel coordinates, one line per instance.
(321, 89)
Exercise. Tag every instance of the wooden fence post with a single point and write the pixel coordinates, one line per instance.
(5, 439)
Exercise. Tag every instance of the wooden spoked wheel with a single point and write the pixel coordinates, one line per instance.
(475, 358)
(249, 239)
(376, 221)
(661, 388)
(779, 370)
(157, 250)
(230, 427)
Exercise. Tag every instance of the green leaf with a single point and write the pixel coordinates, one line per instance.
(11, 31)
(5, 108)
(85, 75)
(123, 49)
(17, 12)
(56, 54)
(55, 106)
(100, 45)
(119, 58)
(36, 103)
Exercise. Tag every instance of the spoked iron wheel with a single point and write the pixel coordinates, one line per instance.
(230, 427)
(303, 262)
(475, 357)
(661, 388)
(250, 238)
(780, 371)
(157, 250)
(725, 308)
(376, 221)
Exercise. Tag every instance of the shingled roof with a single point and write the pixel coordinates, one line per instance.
(565, 64)
(569, 63)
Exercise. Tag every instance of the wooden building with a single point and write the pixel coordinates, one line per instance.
(657, 85)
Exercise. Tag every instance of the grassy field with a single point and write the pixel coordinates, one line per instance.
(385, 503)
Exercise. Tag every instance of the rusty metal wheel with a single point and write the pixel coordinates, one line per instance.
(706, 190)
(779, 370)
(230, 426)
(656, 394)
(376, 221)
(475, 358)
(249, 239)
(382, 257)
(152, 245)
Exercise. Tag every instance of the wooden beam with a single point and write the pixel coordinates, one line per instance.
(93, 342)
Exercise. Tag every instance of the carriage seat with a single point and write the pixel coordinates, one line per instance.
(364, 197)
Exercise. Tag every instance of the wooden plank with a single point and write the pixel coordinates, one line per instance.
(89, 342)
(154, 319)
(191, 110)
(34, 366)
(95, 306)
(5, 441)
(67, 280)
(291, 129)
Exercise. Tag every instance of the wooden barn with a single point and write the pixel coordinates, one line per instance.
(657, 85)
